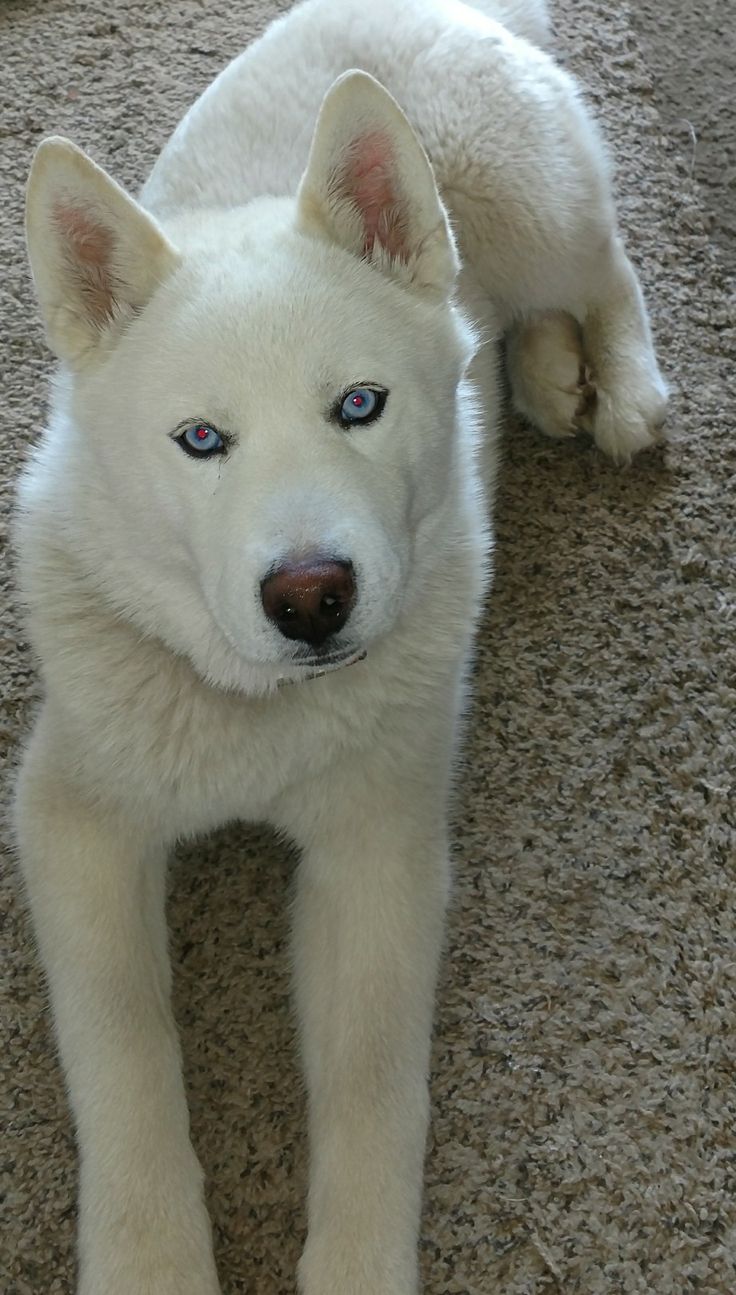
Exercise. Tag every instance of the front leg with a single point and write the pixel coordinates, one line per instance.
(368, 926)
(96, 888)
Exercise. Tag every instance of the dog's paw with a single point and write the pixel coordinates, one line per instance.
(628, 419)
(550, 380)
(569, 407)
(558, 388)
(561, 411)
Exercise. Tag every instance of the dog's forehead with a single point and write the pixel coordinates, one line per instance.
(259, 320)
(291, 297)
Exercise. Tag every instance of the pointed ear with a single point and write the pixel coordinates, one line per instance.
(369, 188)
(96, 256)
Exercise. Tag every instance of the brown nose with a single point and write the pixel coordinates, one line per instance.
(309, 600)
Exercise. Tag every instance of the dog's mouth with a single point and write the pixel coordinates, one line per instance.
(313, 667)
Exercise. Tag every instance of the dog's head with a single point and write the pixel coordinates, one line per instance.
(256, 427)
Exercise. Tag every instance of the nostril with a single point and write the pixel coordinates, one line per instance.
(309, 600)
(332, 605)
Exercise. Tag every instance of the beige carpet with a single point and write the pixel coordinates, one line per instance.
(691, 52)
(584, 1136)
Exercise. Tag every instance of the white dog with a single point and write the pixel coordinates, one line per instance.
(260, 466)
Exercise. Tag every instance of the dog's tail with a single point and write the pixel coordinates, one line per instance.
(527, 18)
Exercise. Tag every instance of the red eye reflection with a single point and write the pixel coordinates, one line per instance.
(361, 405)
(201, 440)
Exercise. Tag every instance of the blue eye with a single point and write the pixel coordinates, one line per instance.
(361, 405)
(200, 440)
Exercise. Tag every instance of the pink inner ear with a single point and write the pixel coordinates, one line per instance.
(89, 246)
(369, 180)
(90, 242)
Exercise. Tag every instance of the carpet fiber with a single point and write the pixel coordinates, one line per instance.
(584, 1133)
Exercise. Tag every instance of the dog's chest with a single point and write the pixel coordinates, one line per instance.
(192, 758)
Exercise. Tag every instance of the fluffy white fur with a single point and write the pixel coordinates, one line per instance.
(268, 268)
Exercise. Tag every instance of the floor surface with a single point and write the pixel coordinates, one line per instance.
(583, 1138)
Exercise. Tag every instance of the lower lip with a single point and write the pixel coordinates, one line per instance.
(317, 672)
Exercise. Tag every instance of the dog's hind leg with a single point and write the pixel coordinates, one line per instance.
(596, 373)
(524, 173)
(630, 394)
(96, 889)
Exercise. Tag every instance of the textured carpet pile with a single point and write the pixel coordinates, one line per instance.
(584, 1085)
